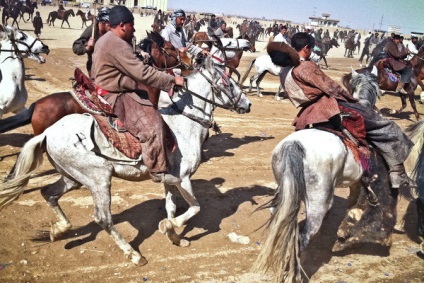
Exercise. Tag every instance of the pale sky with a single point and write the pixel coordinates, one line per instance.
(359, 14)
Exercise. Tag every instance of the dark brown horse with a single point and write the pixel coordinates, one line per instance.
(13, 12)
(61, 16)
(326, 46)
(349, 47)
(84, 18)
(49, 109)
(28, 10)
(386, 83)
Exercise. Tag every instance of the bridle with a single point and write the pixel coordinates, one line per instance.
(16, 51)
(216, 95)
(176, 57)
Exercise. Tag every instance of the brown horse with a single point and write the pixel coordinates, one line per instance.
(61, 16)
(84, 18)
(49, 109)
(386, 84)
(201, 37)
(349, 47)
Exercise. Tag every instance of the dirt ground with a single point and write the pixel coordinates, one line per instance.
(230, 185)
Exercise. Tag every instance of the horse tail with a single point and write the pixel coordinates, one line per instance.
(280, 252)
(48, 18)
(249, 67)
(30, 158)
(415, 160)
(21, 119)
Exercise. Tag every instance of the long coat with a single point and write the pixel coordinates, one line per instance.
(395, 57)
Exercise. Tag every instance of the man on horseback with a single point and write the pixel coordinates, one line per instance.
(396, 61)
(282, 35)
(320, 99)
(174, 33)
(222, 30)
(85, 43)
(212, 25)
(118, 74)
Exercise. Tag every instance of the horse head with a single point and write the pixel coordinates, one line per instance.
(26, 44)
(334, 42)
(225, 91)
(71, 12)
(364, 86)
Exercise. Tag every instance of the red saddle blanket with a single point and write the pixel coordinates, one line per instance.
(126, 143)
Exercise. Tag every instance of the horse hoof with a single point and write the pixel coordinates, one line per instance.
(392, 111)
(164, 226)
(137, 259)
(277, 98)
(260, 95)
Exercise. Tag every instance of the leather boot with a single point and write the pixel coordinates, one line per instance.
(398, 177)
(164, 178)
(400, 88)
(420, 220)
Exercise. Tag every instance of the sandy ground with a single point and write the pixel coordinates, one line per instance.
(235, 180)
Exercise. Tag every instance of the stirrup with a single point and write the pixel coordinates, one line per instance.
(114, 124)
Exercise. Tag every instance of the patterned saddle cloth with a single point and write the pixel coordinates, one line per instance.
(84, 92)
(393, 76)
(354, 123)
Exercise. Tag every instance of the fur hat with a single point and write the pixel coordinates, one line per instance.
(283, 54)
(120, 14)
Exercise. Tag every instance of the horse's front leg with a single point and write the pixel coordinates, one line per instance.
(411, 96)
(167, 226)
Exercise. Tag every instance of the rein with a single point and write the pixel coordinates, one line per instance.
(215, 89)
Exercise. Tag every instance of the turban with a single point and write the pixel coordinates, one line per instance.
(103, 15)
(120, 14)
(175, 15)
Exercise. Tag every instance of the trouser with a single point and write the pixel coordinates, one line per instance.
(405, 75)
(385, 135)
(145, 123)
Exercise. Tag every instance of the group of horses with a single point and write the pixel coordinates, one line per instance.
(17, 11)
(189, 116)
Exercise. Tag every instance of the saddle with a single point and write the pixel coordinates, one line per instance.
(384, 65)
(353, 135)
(90, 98)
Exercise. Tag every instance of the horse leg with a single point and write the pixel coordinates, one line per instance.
(411, 96)
(317, 205)
(325, 61)
(254, 77)
(52, 193)
(277, 95)
(167, 225)
(258, 82)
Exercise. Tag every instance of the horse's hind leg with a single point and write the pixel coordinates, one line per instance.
(258, 82)
(411, 96)
(52, 193)
(318, 202)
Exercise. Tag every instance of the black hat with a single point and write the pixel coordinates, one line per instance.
(396, 36)
(103, 15)
(120, 14)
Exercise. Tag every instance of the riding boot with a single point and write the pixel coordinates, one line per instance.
(420, 220)
(398, 177)
(400, 88)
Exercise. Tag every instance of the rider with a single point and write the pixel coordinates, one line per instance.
(118, 73)
(412, 47)
(212, 25)
(85, 43)
(174, 33)
(320, 100)
(282, 35)
(222, 30)
(395, 60)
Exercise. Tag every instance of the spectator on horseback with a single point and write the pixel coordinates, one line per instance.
(119, 75)
(396, 61)
(174, 33)
(320, 97)
(37, 24)
(61, 9)
(212, 25)
(222, 30)
(282, 35)
(85, 43)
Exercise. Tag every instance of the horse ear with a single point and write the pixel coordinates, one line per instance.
(354, 73)
(374, 71)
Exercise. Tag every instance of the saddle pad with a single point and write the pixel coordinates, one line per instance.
(394, 77)
(126, 143)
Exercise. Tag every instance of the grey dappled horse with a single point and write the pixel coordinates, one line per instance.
(16, 45)
(308, 165)
(68, 143)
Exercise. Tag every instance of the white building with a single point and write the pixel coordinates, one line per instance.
(156, 4)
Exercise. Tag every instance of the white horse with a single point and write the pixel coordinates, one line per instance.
(307, 166)
(263, 65)
(68, 146)
(16, 45)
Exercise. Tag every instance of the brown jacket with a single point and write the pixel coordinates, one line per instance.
(395, 57)
(117, 70)
(322, 92)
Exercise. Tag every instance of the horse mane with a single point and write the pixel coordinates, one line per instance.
(363, 86)
(157, 38)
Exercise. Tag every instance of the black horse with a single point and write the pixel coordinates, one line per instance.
(325, 46)
(29, 10)
(61, 16)
(11, 12)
